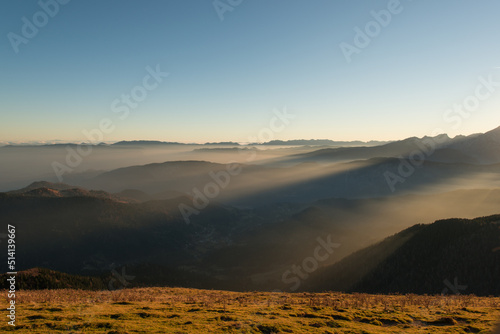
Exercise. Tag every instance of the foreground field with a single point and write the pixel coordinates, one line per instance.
(176, 310)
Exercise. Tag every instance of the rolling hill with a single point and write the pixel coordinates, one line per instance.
(455, 256)
(258, 185)
(223, 246)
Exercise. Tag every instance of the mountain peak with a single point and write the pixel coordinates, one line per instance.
(495, 132)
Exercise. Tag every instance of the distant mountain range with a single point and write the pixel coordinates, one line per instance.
(120, 143)
(223, 247)
(475, 146)
(321, 142)
(304, 182)
(296, 142)
(25, 164)
(262, 217)
(156, 142)
(473, 149)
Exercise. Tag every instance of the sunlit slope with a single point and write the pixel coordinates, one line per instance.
(449, 256)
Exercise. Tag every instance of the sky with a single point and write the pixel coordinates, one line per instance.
(233, 65)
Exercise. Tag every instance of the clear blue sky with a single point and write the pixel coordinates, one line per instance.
(226, 77)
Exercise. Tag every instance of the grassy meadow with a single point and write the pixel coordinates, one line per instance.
(179, 310)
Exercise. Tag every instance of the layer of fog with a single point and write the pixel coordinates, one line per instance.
(22, 165)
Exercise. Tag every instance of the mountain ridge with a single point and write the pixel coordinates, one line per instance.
(424, 258)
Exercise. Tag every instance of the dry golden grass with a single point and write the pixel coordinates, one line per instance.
(178, 310)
